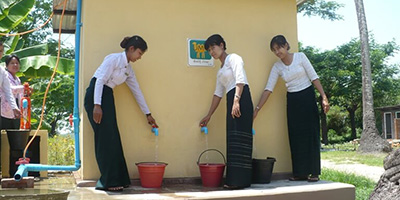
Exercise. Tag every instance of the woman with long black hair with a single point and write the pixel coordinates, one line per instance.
(232, 80)
(100, 108)
(302, 111)
(8, 118)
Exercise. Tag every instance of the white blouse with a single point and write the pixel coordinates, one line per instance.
(230, 74)
(114, 71)
(6, 88)
(17, 90)
(298, 75)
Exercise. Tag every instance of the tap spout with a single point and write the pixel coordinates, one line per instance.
(204, 130)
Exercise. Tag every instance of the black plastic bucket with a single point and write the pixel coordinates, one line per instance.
(17, 138)
(262, 170)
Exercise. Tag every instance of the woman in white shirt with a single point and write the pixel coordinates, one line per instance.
(6, 88)
(232, 80)
(302, 111)
(8, 118)
(100, 108)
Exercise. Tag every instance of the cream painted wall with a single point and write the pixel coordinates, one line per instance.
(178, 95)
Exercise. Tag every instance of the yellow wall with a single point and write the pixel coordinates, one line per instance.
(178, 95)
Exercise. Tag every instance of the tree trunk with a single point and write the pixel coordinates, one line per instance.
(53, 124)
(388, 185)
(324, 124)
(352, 114)
(370, 139)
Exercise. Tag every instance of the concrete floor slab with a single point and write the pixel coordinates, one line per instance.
(276, 190)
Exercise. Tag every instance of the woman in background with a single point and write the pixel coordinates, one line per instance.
(5, 87)
(8, 118)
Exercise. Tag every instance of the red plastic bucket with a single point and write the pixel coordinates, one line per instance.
(211, 173)
(151, 173)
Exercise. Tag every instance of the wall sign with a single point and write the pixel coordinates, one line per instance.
(198, 55)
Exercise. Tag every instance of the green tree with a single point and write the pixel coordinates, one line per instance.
(12, 12)
(38, 62)
(59, 104)
(42, 10)
(322, 8)
(340, 74)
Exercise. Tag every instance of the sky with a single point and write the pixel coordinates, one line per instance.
(383, 22)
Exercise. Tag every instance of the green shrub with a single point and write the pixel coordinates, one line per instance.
(338, 120)
(61, 150)
(333, 137)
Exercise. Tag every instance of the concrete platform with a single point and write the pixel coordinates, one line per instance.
(276, 190)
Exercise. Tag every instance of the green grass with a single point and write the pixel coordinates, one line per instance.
(364, 186)
(341, 157)
(346, 146)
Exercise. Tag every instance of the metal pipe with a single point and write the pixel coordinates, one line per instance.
(25, 168)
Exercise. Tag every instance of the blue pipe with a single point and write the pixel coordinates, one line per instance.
(25, 168)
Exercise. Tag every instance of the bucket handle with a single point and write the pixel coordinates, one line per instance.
(198, 160)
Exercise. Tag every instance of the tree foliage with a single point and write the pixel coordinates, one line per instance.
(324, 9)
(340, 73)
(40, 13)
(42, 10)
(13, 12)
(37, 53)
(59, 102)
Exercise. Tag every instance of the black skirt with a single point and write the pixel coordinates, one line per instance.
(108, 148)
(304, 132)
(7, 123)
(239, 140)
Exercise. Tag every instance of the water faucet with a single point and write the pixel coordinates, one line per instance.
(155, 130)
(204, 130)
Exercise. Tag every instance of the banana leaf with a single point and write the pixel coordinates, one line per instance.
(42, 66)
(20, 44)
(5, 7)
(18, 12)
(10, 44)
(37, 50)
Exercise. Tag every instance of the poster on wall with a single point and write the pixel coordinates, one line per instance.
(198, 55)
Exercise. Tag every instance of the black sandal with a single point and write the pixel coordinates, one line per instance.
(297, 178)
(233, 187)
(313, 178)
(112, 189)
